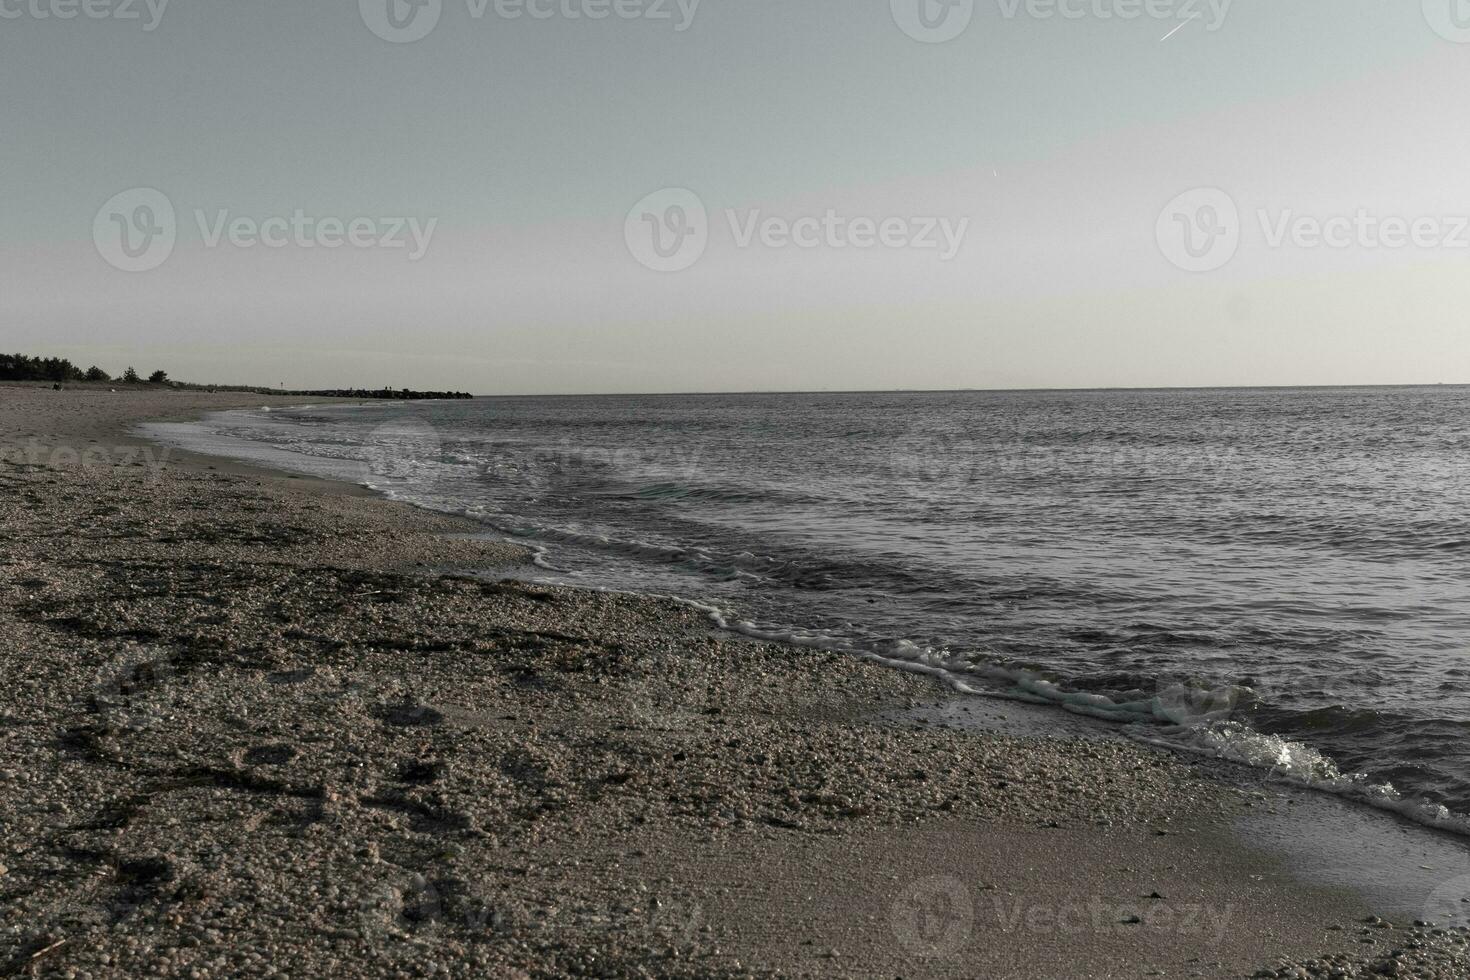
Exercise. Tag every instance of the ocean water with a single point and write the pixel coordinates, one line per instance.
(1281, 577)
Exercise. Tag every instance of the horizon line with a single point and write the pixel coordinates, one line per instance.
(976, 391)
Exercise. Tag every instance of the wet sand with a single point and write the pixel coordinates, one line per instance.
(257, 725)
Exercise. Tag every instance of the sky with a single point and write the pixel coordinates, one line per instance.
(567, 196)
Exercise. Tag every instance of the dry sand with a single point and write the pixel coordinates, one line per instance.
(249, 727)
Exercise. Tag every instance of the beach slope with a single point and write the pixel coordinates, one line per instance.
(256, 725)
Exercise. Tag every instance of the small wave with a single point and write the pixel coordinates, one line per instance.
(1299, 764)
(1167, 720)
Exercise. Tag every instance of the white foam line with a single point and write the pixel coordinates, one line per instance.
(1380, 796)
(1224, 744)
(1236, 744)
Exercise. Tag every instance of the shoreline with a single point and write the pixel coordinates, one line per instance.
(1356, 789)
(421, 769)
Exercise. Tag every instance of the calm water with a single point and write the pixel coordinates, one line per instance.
(1278, 576)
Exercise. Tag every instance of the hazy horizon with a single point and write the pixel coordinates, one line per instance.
(1041, 196)
(1389, 386)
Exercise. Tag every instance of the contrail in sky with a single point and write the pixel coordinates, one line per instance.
(1177, 29)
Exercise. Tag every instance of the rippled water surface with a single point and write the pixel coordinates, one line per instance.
(1275, 575)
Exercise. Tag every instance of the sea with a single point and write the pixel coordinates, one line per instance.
(1279, 577)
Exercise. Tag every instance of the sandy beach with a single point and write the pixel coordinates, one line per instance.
(259, 725)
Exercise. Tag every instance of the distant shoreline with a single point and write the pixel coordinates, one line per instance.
(376, 393)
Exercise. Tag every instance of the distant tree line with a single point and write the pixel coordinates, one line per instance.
(19, 367)
(397, 394)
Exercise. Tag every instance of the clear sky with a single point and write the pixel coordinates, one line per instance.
(1052, 142)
